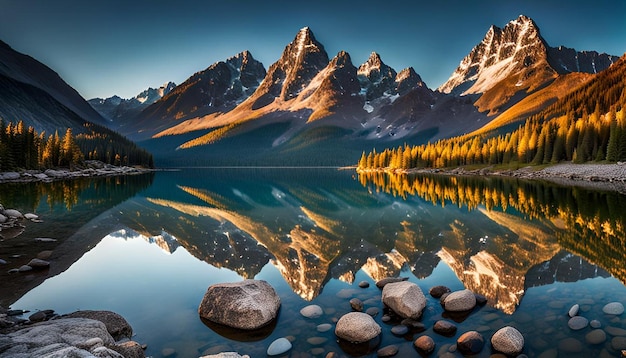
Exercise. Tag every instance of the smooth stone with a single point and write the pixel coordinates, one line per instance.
(595, 323)
(573, 311)
(357, 327)
(324, 327)
(480, 299)
(508, 340)
(618, 343)
(38, 264)
(382, 283)
(3, 219)
(385, 318)
(470, 343)
(438, 291)
(279, 346)
(387, 351)
(596, 336)
(31, 216)
(577, 323)
(372, 311)
(364, 284)
(45, 239)
(25, 268)
(459, 301)
(2, 262)
(425, 344)
(400, 330)
(38, 316)
(12, 213)
(116, 325)
(413, 324)
(356, 304)
(316, 341)
(614, 308)
(570, 345)
(44, 255)
(312, 311)
(615, 331)
(445, 328)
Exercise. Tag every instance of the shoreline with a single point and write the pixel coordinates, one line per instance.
(92, 169)
(610, 177)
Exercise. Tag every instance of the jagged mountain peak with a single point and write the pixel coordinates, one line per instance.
(502, 52)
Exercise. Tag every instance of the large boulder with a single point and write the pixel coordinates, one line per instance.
(405, 298)
(116, 325)
(460, 301)
(357, 327)
(508, 340)
(249, 304)
(66, 337)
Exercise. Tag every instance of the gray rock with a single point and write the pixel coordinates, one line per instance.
(400, 330)
(38, 264)
(508, 340)
(470, 343)
(574, 310)
(324, 327)
(615, 331)
(31, 216)
(279, 346)
(25, 268)
(312, 311)
(226, 355)
(249, 304)
(405, 299)
(9, 176)
(438, 291)
(577, 323)
(618, 343)
(425, 344)
(12, 213)
(460, 301)
(3, 219)
(364, 284)
(595, 323)
(59, 338)
(116, 325)
(372, 311)
(357, 327)
(614, 308)
(597, 336)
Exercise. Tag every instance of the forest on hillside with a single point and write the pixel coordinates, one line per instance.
(24, 148)
(589, 124)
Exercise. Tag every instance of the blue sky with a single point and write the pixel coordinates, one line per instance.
(121, 47)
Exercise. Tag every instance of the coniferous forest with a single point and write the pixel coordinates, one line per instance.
(25, 148)
(586, 125)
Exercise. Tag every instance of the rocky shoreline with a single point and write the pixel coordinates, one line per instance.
(92, 168)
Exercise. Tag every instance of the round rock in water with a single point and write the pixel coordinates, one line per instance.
(445, 328)
(597, 336)
(324, 327)
(357, 327)
(364, 284)
(574, 310)
(470, 343)
(594, 323)
(388, 351)
(249, 304)
(438, 291)
(508, 340)
(400, 330)
(425, 344)
(460, 301)
(356, 304)
(577, 323)
(405, 298)
(312, 311)
(372, 311)
(615, 308)
(279, 346)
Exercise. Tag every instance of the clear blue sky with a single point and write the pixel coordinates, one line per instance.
(121, 47)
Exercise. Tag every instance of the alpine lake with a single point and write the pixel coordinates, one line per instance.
(149, 246)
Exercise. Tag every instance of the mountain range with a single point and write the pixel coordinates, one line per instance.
(308, 108)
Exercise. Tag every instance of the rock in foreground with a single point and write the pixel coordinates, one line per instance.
(357, 327)
(508, 340)
(249, 304)
(405, 298)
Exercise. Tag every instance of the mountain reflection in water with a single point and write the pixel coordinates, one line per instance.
(499, 236)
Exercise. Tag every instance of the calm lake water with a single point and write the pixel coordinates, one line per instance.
(149, 246)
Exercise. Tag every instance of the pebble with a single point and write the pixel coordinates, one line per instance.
(2, 262)
(574, 310)
(400, 330)
(279, 346)
(316, 341)
(618, 343)
(614, 308)
(444, 328)
(25, 268)
(324, 327)
(386, 318)
(615, 331)
(597, 336)
(387, 351)
(372, 311)
(577, 323)
(364, 284)
(311, 311)
(470, 343)
(595, 323)
(357, 304)
(425, 344)
(317, 351)
(414, 325)
(438, 291)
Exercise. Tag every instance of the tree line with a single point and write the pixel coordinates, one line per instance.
(25, 148)
(588, 124)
